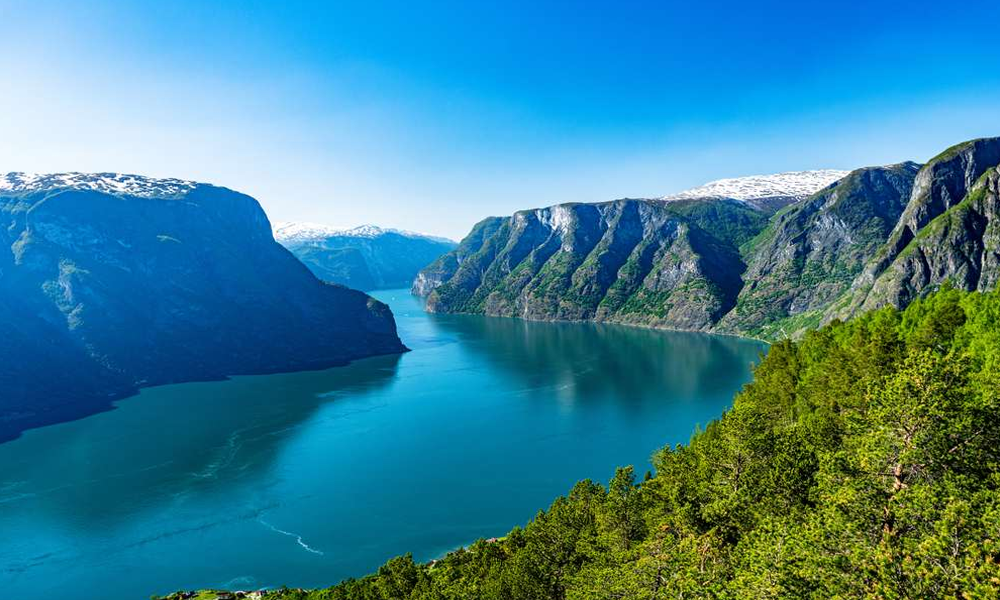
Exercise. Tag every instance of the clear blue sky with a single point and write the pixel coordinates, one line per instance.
(432, 115)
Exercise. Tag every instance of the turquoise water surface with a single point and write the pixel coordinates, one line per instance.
(307, 478)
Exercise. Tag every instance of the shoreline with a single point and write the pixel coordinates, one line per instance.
(740, 336)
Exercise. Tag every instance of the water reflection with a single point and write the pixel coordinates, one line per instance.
(588, 361)
(196, 438)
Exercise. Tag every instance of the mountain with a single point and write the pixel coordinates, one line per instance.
(948, 232)
(672, 262)
(111, 282)
(768, 256)
(366, 257)
(632, 261)
(809, 255)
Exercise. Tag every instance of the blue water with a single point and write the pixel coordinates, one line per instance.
(307, 478)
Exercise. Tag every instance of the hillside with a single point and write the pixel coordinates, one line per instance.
(809, 256)
(624, 261)
(673, 262)
(948, 232)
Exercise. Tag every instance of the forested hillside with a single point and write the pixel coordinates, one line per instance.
(860, 462)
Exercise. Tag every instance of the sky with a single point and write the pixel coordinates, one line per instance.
(430, 115)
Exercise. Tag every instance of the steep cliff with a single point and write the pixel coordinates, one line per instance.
(112, 282)
(947, 233)
(878, 236)
(811, 253)
(634, 261)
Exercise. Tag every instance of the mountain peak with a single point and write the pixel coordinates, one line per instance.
(793, 184)
(108, 183)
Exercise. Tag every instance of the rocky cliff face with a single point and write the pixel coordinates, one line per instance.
(446, 266)
(878, 236)
(110, 282)
(635, 261)
(946, 233)
(810, 254)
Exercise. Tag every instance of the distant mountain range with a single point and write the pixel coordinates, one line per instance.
(766, 256)
(366, 257)
(111, 282)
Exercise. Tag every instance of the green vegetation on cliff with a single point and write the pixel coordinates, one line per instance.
(862, 461)
(879, 236)
(643, 262)
(811, 253)
(948, 232)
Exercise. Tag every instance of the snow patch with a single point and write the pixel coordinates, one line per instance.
(108, 183)
(300, 232)
(795, 184)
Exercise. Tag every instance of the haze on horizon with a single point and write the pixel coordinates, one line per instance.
(430, 117)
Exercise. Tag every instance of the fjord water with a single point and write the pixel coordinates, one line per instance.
(307, 478)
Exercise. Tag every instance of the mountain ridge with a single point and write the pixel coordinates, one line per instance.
(367, 257)
(306, 230)
(795, 263)
(18, 182)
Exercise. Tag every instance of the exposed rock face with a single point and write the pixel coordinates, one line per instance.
(960, 246)
(945, 233)
(364, 258)
(446, 266)
(809, 255)
(635, 261)
(879, 236)
(111, 282)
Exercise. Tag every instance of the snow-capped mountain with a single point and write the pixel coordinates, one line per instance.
(108, 183)
(757, 190)
(288, 232)
(366, 257)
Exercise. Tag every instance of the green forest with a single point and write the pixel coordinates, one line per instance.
(861, 461)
